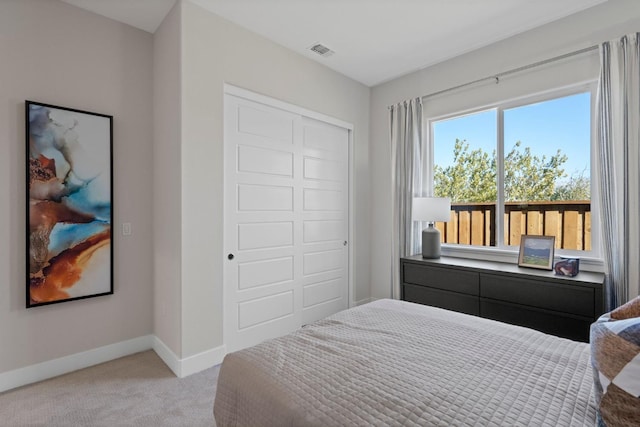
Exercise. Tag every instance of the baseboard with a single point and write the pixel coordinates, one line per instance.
(63, 365)
(189, 365)
(201, 361)
(168, 357)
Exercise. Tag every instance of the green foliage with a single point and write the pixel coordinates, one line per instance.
(577, 188)
(531, 178)
(471, 178)
(527, 177)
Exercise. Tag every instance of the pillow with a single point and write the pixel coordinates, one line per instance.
(615, 357)
(625, 311)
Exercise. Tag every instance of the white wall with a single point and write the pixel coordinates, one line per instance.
(604, 22)
(167, 190)
(55, 53)
(214, 52)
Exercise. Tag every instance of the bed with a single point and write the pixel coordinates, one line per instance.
(392, 362)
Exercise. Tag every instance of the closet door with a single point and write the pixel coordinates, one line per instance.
(285, 220)
(325, 202)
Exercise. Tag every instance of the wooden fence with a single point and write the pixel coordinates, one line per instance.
(474, 223)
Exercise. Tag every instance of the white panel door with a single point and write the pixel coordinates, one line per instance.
(285, 219)
(325, 201)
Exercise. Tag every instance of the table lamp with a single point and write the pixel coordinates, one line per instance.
(431, 209)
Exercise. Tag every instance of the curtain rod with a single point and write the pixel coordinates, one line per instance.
(497, 76)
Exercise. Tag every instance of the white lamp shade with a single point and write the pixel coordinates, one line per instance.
(431, 209)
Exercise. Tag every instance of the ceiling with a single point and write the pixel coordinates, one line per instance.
(374, 40)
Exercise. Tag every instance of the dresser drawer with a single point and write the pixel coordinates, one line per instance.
(443, 299)
(550, 323)
(441, 278)
(576, 300)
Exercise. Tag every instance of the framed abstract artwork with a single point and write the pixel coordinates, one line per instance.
(69, 172)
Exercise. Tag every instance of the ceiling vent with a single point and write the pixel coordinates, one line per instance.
(321, 50)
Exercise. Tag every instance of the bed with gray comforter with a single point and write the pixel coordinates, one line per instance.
(393, 363)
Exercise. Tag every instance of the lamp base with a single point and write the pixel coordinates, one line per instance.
(430, 242)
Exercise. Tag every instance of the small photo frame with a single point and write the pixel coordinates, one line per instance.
(536, 252)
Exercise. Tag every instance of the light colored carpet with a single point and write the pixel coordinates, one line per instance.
(137, 390)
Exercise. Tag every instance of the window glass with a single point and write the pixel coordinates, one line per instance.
(465, 171)
(546, 173)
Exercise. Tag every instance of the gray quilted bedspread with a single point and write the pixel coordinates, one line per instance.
(392, 363)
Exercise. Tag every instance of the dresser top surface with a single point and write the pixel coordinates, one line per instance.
(586, 277)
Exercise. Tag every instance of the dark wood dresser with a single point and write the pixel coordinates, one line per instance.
(538, 299)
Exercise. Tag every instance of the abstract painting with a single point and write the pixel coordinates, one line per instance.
(69, 204)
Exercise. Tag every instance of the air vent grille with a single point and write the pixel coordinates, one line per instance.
(321, 50)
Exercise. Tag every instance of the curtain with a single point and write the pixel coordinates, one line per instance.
(618, 112)
(407, 182)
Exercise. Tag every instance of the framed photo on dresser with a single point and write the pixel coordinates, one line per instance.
(536, 252)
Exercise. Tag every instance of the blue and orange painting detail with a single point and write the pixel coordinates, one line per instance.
(69, 208)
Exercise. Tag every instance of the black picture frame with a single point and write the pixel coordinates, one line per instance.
(536, 252)
(69, 204)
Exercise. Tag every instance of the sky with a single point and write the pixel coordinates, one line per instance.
(545, 127)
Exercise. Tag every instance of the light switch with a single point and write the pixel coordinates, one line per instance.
(126, 229)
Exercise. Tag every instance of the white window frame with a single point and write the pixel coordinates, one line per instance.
(590, 260)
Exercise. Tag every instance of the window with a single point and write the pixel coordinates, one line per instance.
(517, 168)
